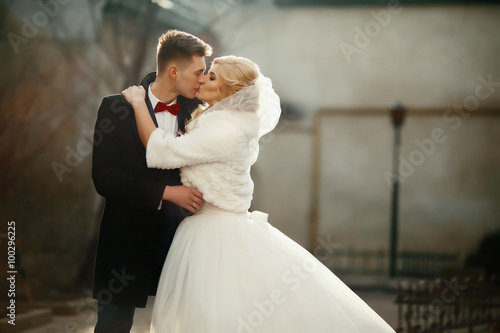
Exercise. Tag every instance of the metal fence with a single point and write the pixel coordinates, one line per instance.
(376, 262)
(449, 304)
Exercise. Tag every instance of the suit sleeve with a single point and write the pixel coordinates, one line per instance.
(111, 179)
(214, 141)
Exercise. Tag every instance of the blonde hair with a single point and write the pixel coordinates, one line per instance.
(235, 73)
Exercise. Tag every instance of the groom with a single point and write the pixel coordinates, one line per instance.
(143, 206)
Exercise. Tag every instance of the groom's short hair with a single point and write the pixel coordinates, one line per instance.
(181, 46)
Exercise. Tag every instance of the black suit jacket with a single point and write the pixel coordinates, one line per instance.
(134, 236)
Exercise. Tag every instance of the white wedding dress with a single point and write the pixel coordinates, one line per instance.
(228, 270)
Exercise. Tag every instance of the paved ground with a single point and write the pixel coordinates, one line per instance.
(381, 301)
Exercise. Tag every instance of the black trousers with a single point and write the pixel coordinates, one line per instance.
(112, 318)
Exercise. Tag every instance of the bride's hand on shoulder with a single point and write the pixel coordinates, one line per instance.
(135, 95)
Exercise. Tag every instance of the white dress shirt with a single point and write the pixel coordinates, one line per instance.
(165, 120)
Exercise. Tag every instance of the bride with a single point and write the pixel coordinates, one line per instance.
(228, 270)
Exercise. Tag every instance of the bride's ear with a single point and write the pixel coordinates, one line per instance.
(225, 91)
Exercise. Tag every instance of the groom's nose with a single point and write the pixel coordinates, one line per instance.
(202, 80)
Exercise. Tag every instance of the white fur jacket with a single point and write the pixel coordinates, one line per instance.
(215, 156)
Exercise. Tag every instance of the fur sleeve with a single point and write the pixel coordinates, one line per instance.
(218, 139)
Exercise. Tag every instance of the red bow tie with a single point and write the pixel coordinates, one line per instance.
(173, 108)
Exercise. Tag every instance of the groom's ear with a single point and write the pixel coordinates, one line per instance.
(173, 72)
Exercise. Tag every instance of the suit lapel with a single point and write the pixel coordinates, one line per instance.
(187, 105)
(150, 108)
(148, 79)
(182, 116)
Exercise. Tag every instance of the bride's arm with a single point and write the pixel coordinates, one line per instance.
(145, 125)
(217, 139)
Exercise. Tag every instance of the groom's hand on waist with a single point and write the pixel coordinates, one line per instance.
(184, 196)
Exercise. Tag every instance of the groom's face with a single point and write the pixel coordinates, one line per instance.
(191, 77)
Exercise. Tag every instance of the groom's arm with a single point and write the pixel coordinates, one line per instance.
(111, 178)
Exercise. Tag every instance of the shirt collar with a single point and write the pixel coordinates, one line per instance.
(154, 100)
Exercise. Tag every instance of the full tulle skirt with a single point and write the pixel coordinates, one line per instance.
(235, 273)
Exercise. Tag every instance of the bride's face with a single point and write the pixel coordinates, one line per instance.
(213, 89)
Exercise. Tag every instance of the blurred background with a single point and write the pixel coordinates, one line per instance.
(325, 175)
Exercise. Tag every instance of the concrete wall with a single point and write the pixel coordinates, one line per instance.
(346, 58)
(426, 57)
